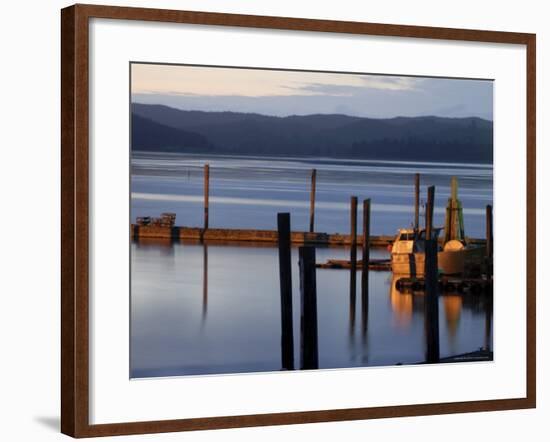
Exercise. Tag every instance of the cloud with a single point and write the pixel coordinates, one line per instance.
(356, 85)
(392, 83)
(217, 81)
(336, 90)
(285, 93)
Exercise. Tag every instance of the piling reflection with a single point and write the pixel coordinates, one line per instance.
(489, 323)
(452, 308)
(365, 321)
(204, 282)
(457, 311)
(174, 294)
(352, 304)
(405, 305)
(163, 245)
(358, 350)
(351, 327)
(364, 311)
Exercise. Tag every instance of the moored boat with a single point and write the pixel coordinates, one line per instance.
(455, 256)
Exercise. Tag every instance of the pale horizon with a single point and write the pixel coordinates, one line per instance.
(284, 93)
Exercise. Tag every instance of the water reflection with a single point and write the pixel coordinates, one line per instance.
(365, 320)
(204, 282)
(452, 307)
(405, 305)
(364, 310)
(215, 308)
(352, 303)
(457, 312)
(489, 323)
(247, 192)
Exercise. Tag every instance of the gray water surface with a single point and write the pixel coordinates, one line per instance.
(215, 308)
(204, 309)
(247, 192)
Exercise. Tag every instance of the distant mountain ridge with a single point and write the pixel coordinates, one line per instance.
(429, 138)
(148, 134)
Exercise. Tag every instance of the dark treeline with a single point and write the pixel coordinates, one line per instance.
(161, 128)
(149, 135)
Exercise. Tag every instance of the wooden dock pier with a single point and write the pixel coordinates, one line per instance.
(372, 264)
(182, 233)
(446, 284)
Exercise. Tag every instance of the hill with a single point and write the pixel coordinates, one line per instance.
(150, 135)
(427, 138)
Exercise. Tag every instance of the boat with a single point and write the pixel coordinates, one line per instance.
(455, 256)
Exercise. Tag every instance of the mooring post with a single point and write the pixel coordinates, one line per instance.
(312, 200)
(431, 281)
(285, 278)
(489, 239)
(353, 233)
(365, 266)
(365, 259)
(206, 193)
(416, 200)
(135, 232)
(353, 259)
(309, 352)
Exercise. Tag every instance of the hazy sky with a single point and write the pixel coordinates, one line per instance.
(285, 93)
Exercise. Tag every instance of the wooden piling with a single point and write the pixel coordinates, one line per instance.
(489, 230)
(489, 240)
(416, 200)
(353, 258)
(285, 278)
(365, 267)
(430, 212)
(206, 193)
(353, 233)
(312, 200)
(309, 352)
(431, 315)
(365, 256)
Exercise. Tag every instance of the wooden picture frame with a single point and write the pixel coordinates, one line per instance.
(75, 379)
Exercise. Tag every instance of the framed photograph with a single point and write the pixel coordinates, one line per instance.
(272, 220)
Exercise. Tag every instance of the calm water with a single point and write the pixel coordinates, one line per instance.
(199, 309)
(248, 192)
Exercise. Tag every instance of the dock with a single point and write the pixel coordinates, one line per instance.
(458, 284)
(481, 355)
(251, 235)
(373, 264)
(177, 233)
